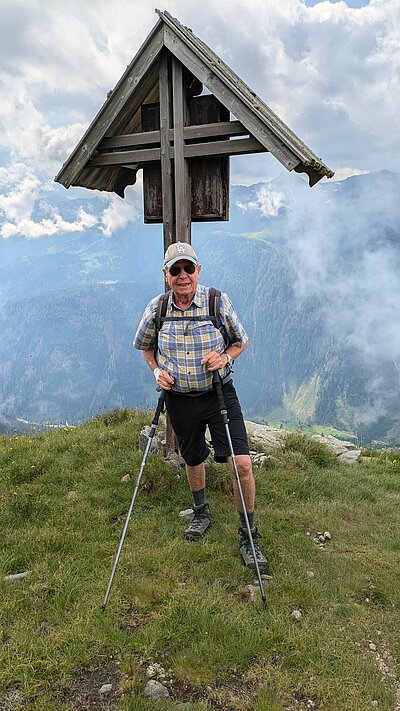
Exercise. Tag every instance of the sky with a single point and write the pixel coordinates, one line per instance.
(329, 69)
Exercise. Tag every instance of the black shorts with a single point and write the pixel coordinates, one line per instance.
(190, 416)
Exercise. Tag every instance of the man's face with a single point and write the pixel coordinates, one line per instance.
(182, 283)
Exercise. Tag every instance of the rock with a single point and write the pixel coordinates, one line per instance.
(310, 574)
(156, 670)
(105, 689)
(259, 459)
(372, 647)
(267, 437)
(254, 591)
(156, 690)
(349, 457)
(16, 577)
(126, 478)
(158, 441)
(186, 513)
(296, 614)
(337, 446)
(175, 461)
(327, 536)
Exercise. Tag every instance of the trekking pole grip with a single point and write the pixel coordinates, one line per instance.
(218, 389)
(160, 408)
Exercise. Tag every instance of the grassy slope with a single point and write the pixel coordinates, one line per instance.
(185, 605)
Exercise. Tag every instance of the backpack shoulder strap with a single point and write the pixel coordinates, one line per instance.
(214, 308)
(159, 316)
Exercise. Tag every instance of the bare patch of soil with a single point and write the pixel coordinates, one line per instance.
(83, 695)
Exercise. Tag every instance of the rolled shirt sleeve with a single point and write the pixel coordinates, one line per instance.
(145, 336)
(236, 333)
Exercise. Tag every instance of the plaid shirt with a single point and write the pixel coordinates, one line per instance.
(181, 346)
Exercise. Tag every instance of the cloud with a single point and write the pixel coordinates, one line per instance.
(348, 261)
(31, 229)
(267, 202)
(120, 212)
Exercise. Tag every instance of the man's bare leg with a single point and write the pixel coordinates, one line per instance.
(196, 476)
(245, 471)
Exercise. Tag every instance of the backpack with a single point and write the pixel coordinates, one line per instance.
(214, 315)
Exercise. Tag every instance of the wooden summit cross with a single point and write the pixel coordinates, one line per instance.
(157, 119)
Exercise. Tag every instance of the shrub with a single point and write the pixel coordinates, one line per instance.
(313, 451)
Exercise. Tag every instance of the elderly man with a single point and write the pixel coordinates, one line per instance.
(189, 348)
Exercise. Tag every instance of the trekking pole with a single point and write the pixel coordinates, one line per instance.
(159, 410)
(224, 415)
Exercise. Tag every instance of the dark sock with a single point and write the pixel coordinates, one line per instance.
(250, 516)
(199, 497)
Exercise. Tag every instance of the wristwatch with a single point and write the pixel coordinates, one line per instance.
(230, 359)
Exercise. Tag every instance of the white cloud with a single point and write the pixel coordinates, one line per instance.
(19, 202)
(119, 212)
(267, 202)
(31, 229)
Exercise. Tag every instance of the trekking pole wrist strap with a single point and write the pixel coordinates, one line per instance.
(156, 373)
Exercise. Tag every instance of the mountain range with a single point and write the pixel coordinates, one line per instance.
(313, 275)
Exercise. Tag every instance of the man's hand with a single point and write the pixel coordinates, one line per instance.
(214, 361)
(165, 380)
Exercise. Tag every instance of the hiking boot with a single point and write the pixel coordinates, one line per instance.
(247, 553)
(201, 521)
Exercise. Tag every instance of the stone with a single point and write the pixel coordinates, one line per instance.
(156, 690)
(327, 536)
(175, 460)
(350, 456)
(156, 670)
(186, 513)
(254, 591)
(372, 647)
(105, 689)
(267, 437)
(310, 574)
(296, 614)
(156, 444)
(126, 478)
(16, 577)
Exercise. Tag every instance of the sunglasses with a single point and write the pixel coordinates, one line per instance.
(188, 268)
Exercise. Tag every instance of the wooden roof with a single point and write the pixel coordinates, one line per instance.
(120, 115)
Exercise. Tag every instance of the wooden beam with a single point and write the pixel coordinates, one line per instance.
(238, 146)
(208, 130)
(165, 155)
(181, 168)
(146, 155)
(130, 139)
(223, 129)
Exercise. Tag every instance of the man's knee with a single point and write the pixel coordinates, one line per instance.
(244, 467)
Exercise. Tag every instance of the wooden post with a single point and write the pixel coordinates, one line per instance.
(181, 166)
(167, 189)
(166, 168)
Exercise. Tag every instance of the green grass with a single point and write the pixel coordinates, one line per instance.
(187, 606)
